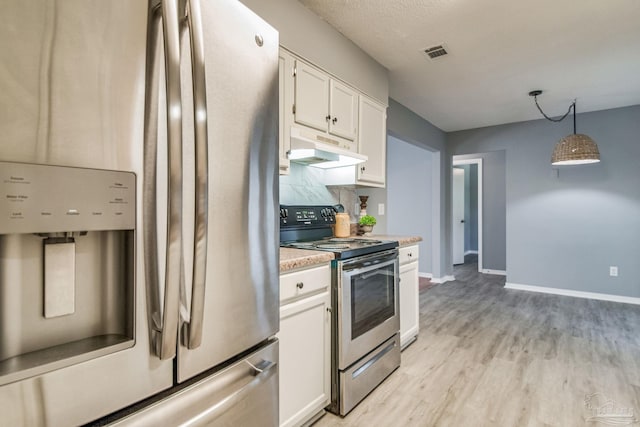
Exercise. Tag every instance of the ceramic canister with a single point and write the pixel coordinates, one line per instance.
(342, 228)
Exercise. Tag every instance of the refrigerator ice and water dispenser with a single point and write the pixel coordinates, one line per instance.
(66, 266)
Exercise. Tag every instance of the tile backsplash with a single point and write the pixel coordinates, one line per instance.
(305, 186)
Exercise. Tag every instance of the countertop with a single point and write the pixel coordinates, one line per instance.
(402, 240)
(292, 259)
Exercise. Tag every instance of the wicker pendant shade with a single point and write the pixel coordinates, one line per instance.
(576, 149)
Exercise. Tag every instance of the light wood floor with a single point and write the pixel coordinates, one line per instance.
(488, 356)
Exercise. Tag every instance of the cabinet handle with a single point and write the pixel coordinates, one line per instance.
(335, 120)
(328, 118)
(410, 254)
(328, 309)
(362, 168)
(300, 285)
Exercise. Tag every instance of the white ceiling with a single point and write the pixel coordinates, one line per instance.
(499, 50)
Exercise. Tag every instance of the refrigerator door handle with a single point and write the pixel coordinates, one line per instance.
(263, 367)
(164, 320)
(192, 330)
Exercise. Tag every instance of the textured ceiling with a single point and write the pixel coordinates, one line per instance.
(499, 50)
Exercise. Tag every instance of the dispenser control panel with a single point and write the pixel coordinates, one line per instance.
(46, 199)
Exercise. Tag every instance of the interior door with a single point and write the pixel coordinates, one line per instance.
(458, 216)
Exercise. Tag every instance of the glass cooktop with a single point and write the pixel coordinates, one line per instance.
(344, 247)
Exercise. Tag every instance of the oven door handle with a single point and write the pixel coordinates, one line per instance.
(365, 276)
(364, 266)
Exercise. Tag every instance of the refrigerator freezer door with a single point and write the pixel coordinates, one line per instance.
(241, 295)
(243, 394)
(73, 85)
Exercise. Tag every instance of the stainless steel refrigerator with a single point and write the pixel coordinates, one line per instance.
(138, 236)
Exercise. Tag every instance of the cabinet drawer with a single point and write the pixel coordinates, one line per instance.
(300, 283)
(408, 254)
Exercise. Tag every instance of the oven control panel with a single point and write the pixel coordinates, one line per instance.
(306, 215)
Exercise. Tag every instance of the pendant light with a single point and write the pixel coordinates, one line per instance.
(575, 149)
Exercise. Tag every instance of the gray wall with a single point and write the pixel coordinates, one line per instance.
(494, 207)
(308, 36)
(407, 126)
(565, 231)
(376, 195)
(409, 195)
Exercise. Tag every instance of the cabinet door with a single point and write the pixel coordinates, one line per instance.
(285, 108)
(305, 345)
(372, 142)
(311, 97)
(343, 109)
(409, 311)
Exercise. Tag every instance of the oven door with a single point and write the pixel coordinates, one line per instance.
(367, 304)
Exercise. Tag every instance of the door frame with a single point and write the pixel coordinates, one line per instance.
(476, 161)
(457, 218)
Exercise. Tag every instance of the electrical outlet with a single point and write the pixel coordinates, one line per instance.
(380, 208)
(613, 271)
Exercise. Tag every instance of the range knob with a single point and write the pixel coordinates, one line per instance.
(284, 213)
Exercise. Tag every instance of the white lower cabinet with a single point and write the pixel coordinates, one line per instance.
(409, 295)
(305, 344)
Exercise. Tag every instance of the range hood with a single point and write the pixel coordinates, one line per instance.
(313, 149)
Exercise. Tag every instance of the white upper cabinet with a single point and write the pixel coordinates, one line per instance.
(343, 111)
(326, 109)
(285, 75)
(324, 103)
(372, 142)
(311, 97)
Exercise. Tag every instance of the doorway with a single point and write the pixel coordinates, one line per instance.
(467, 212)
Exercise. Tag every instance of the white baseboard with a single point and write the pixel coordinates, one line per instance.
(443, 279)
(471, 253)
(572, 293)
(490, 271)
(425, 275)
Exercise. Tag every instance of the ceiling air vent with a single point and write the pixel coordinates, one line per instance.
(436, 52)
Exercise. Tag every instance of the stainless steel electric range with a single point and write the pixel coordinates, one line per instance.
(366, 321)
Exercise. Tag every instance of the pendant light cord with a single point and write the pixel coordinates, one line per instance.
(573, 105)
